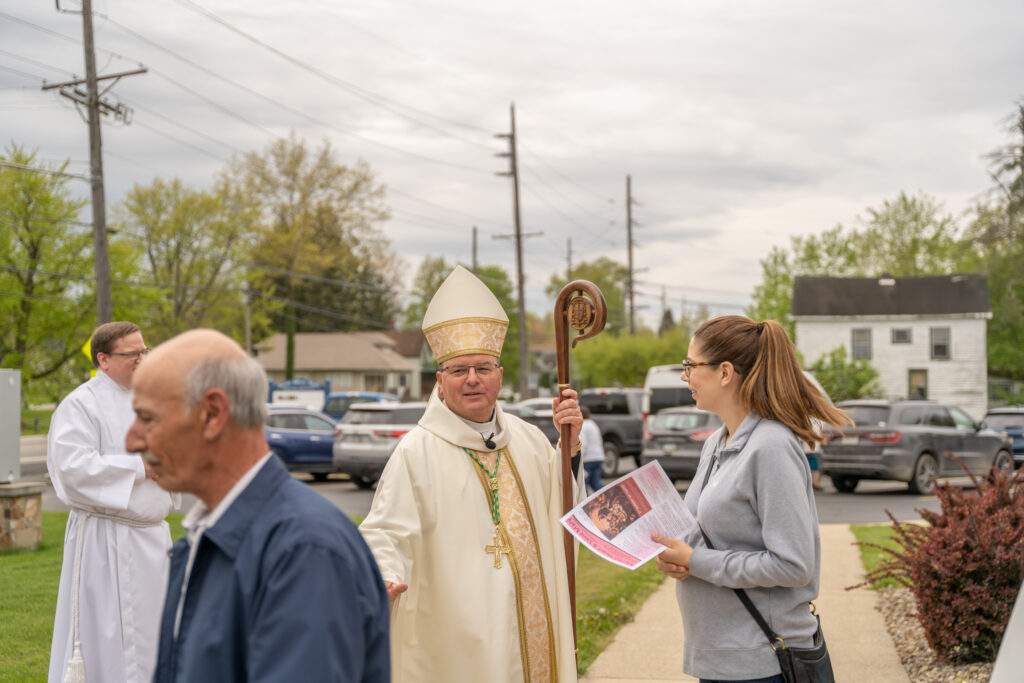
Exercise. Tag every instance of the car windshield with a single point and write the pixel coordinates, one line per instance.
(679, 421)
(670, 397)
(867, 416)
(339, 404)
(1005, 420)
(395, 416)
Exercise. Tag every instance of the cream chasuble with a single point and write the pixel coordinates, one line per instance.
(482, 605)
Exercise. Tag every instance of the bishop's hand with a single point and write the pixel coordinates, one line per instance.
(566, 411)
(394, 590)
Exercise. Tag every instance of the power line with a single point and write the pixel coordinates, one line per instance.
(366, 95)
(62, 36)
(44, 171)
(292, 110)
(171, 121)
(34, 62)
(184, 143)
(19, 72)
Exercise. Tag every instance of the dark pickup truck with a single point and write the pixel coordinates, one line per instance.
(619, 414)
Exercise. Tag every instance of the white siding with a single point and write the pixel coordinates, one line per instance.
(962, 380)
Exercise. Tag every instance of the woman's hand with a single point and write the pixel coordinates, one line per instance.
(675, 561)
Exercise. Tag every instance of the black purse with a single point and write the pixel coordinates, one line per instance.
(798, 664)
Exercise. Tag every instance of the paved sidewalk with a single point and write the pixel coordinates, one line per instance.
(650, 648)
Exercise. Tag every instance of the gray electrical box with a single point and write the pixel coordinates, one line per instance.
(10, 425)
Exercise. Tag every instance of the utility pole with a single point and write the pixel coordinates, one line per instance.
(629, 247)
(568, 260)
(474, 250)
(95, 106)
(513, 172)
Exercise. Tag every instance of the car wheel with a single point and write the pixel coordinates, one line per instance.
(610, 466)
(845, 484)
(925, 470)
(1003, 463)
(320, 476)
(364, 483)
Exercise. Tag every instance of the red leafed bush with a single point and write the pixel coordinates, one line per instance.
(965, 567)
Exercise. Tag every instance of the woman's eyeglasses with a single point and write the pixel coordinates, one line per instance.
(689, 365)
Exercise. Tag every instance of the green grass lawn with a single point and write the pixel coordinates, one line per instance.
(607, 597)
(879, 534)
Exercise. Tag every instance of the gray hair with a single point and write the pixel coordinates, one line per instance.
(242, 379)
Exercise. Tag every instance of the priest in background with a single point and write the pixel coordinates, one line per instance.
(116, 541)
(464, 524)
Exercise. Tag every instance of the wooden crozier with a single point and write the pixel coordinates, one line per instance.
(581, 307)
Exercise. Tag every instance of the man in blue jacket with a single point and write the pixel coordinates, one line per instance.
(272, 583)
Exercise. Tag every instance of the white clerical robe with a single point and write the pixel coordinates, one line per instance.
(125, 540)
(462, 619)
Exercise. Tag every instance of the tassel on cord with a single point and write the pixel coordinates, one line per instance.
(75, 671)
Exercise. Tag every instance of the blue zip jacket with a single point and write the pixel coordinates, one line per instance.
(283, 588)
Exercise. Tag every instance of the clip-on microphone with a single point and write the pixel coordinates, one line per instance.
(489, 440)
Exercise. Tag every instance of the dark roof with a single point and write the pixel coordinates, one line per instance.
(408, 343)
(925, 295)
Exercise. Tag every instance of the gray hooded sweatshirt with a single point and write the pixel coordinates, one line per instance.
(758, 510)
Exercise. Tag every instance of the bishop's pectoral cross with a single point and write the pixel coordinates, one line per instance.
(497, 547)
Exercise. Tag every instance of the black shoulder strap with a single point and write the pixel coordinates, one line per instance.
(773, 638)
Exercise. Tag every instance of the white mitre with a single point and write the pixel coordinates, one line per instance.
(464, 318)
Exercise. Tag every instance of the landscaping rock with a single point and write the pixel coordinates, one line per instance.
(900, 613)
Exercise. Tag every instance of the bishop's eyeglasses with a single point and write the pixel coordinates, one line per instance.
(482, 370)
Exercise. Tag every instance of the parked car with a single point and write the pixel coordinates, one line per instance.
(1009, 419)
(674, 437)
(911, 441)
(367, 435)
(536, 406)
(540, 419)
(618, 412)
(302, 438)
(339, 401)
(664, 387)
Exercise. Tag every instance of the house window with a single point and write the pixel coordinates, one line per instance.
(901, 335)
(374, 382)
(860, 342)
(939, 343)
(917, 384)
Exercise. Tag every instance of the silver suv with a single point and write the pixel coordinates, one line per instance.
(911, 441)
(366, 436)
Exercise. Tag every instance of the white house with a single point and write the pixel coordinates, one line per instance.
(924, 335)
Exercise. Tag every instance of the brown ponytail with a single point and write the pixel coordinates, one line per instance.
(773, 385)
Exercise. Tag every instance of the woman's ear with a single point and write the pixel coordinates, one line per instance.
(726, 372)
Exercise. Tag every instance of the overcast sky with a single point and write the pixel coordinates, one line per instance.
(741, 123)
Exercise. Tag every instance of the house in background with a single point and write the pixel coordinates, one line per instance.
(926, 336)
(412, 345)
(352, 361)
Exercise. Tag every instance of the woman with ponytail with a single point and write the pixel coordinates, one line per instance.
(753, 500)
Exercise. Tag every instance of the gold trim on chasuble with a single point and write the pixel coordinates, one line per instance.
(533, 610)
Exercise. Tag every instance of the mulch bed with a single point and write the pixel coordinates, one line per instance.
(900, 612)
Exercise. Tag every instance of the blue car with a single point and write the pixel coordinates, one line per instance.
(302, 438)
(1010, 420)
(338, 401)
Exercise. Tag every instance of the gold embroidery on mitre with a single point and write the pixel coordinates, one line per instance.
(465, 336)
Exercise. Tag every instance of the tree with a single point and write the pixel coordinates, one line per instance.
(995, 245)
(905, 236)
(47, 304)
(607, 360)
(668, 322)
(610, 276)
(318, 251)
(429, 276)
(844, 378)
(194, 246)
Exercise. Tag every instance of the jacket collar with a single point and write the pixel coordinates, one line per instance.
(231, 529)
(743, 433)
(440, 421)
